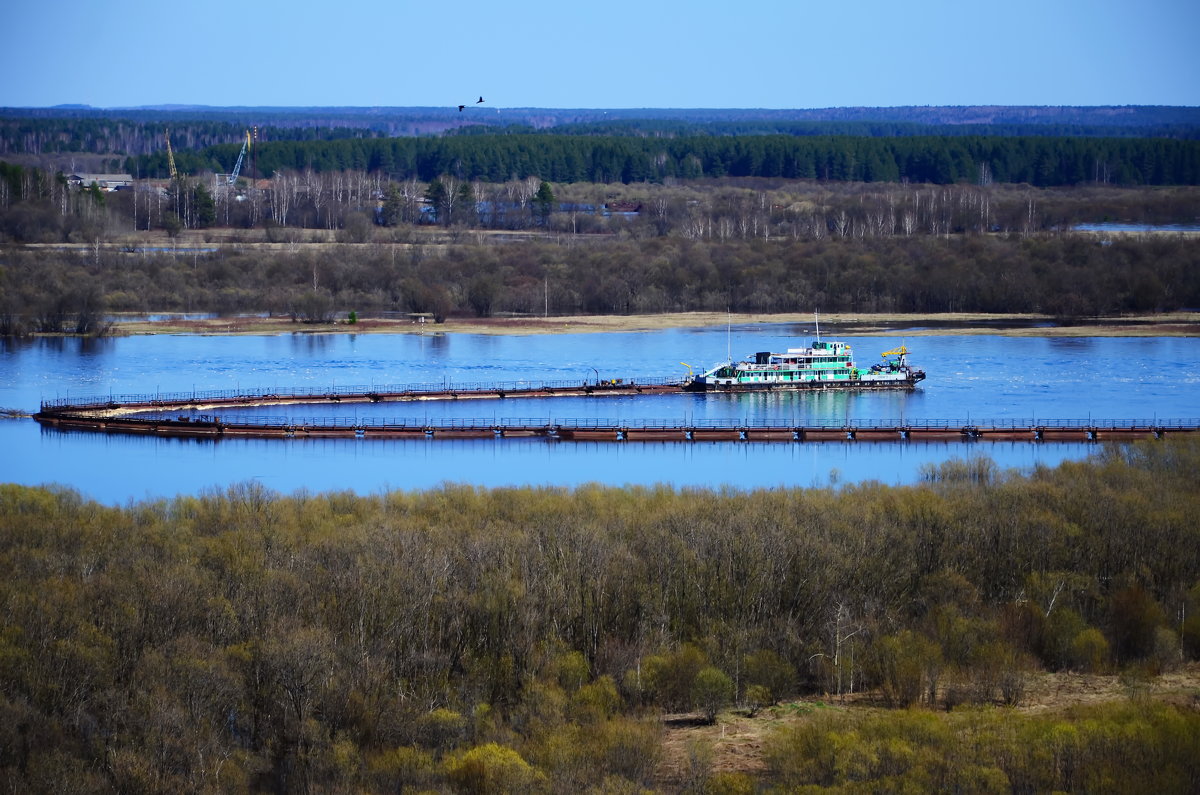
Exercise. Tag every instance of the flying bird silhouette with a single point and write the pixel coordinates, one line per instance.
(460, 108)
(479, 100)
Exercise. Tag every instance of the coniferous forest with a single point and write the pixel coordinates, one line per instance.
(1041, 161)
(533, 639)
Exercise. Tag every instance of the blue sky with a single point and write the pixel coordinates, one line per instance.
(617, 54)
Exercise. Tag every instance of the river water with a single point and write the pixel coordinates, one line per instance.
(970, 379)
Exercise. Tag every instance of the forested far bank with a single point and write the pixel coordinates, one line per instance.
(346, 242)
(139, 131)
(943, 160)
(535, 636)
(1068, 277)
(40, 206)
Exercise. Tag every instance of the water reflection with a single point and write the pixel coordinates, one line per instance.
(970, 377)
(1073, 344)
(436, 345)
(801, 406)
(976, 376)
(796, 408)
(115, 469)
(312, 344)
(66, 346)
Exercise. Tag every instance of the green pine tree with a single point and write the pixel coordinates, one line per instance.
(543, 203)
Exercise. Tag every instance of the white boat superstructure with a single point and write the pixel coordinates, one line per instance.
(823, 365)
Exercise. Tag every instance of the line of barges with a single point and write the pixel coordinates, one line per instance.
(626, 430)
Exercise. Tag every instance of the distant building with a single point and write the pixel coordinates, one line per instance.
(109, 182)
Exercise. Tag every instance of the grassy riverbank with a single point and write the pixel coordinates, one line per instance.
(1175, 324)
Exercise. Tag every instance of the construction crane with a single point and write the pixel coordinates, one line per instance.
(171, 157)
(237, 168)
(901, 352)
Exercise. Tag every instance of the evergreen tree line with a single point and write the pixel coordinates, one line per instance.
(880, 128)
(530, 639)
(45, 131)
(126, 137)
(1039, 161)
(1065, 277)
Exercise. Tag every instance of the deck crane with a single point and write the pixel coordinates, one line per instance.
(901, 352)
(237, 168)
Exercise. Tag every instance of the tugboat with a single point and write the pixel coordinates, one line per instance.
(824, 365)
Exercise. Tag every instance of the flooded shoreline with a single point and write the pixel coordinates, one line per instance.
(1175, 324)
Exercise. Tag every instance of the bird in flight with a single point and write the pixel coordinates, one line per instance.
(479, 100)
(460, 108)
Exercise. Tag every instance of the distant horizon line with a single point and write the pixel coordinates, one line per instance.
(201, 106)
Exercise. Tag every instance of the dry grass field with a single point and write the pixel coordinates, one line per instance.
(736, 741)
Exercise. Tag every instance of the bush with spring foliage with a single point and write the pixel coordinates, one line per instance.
(306, 640)
(1129, 747)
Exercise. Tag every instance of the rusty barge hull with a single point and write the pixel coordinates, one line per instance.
(614, 432)
(113, 415)
(120, 408)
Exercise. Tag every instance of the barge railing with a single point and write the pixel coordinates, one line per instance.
(360, 392)
(623, 429)
(183, 414)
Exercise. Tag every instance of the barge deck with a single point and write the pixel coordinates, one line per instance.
(174, 415)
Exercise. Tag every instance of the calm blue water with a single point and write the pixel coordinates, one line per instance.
(970, 378)
(1118, 227)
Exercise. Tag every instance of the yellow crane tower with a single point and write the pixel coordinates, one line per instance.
(901, 352)
(171, 157)
(237, 168)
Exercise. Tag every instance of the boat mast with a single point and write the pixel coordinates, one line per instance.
(817, 321)
(728, 332)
